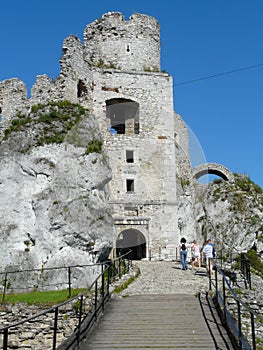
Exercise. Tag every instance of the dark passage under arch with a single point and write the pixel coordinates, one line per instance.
(133, 240)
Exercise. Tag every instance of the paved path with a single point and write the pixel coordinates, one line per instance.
(160, 310)
(165, 277)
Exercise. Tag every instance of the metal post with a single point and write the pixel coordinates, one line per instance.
(55, 328)
(224, 297)
(248, 274)
(5, 340)
(239, 324)
(254, 347)
(113, 274)
(102, 287)
(80, 315)
(119, 268)
(209, 274)
(69, 282)
(216, 281)
(5, 286)
(96, 298)
(108, 279)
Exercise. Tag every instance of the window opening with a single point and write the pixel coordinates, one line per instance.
(129, 156)
(136, 128)
(82, 89)
(123, 115)
(130, 185)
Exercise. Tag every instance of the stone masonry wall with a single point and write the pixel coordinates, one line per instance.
(132, 45)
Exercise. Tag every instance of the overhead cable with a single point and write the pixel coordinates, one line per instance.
(218, 74)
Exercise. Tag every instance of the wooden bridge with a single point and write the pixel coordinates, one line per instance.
(168, 321)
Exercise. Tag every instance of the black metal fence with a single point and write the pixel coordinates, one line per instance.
(245, 269)
(55, 278)
(87, 307)
(240, 314)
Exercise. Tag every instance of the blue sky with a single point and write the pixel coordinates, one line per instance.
(199, 38)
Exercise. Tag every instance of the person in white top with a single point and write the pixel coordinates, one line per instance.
(196, 254)
(207, 253)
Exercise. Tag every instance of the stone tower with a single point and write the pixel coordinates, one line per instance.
(134, 102)
(116, 75)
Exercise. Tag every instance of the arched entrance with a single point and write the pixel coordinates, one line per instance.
(133, 240)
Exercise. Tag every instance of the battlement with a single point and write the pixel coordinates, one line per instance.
(130, 45)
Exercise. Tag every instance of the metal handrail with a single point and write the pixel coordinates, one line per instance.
(5, 277)
(100, 295)
(233, 325)
(245, 269)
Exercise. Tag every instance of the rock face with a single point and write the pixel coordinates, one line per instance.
(231, 213)
(53, 189)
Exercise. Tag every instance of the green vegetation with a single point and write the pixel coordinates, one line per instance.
(94, 146)
(46, 123)
(218, 181)
(119, 289)
(154, 69)
(184, 182)
(48, 298)
(246, 185)
(255, 262)
(102, 64)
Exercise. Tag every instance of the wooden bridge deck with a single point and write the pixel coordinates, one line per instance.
(165, 321)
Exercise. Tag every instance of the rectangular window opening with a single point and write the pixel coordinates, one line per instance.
(130, 185)
(129, 156)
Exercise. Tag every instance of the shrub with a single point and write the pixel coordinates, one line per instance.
(94, 146)
(255, 261)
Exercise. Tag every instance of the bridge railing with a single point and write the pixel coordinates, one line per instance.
(240, 314)
(83, 310)
(245, 269)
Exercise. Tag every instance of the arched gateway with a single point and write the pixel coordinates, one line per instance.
(133, 240)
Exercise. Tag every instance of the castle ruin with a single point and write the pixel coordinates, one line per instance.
(116, 74)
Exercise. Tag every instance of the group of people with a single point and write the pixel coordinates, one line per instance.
(205, 253)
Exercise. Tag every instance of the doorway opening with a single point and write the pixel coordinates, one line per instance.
(133, 240)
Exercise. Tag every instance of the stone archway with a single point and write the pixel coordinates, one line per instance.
(213, 168)
(134, 240)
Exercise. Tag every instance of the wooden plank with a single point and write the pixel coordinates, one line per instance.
(152, 322)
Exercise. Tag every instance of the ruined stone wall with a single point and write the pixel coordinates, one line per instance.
(129, 45)
(13, 98)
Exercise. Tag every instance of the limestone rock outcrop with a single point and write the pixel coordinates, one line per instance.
(53, 189)
(231, 213)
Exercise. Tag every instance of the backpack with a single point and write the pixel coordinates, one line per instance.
(183, 247)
